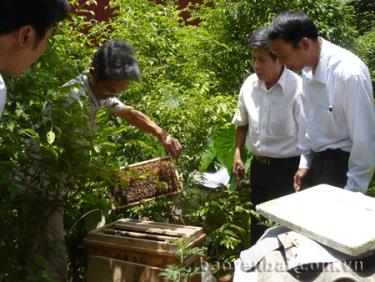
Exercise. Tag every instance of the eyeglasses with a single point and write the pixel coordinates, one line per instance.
(105, 91)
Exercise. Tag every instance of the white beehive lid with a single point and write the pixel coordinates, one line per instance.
(332, 216)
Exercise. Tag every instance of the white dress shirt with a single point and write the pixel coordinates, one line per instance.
(3, 95)
(338, 110)
(80, 87)
(272, 115)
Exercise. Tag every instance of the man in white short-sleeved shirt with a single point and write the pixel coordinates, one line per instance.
(267, 120)
(338, 143)
(114, 66)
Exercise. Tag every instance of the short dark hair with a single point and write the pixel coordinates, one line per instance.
(40, 14)
(292, 27)
(115, 60)
(259, 40)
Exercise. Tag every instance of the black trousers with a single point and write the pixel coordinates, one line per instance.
(269, 181)
(328, 167)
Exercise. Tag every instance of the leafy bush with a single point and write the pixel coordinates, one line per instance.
(225, 217)
(364, 15)
(365, 49)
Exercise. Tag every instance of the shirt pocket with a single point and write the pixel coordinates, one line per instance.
(254, 136)
(322, 121)
(281, 122)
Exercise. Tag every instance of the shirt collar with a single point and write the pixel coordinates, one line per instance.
(321, 69)
(281, 82)
(89, 90)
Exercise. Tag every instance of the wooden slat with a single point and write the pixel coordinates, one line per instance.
(136, 245)
(120, 242)
(175, 232)
(146, 162)
(196, 241)
(157, 224)
(146, 224)
(139, 235)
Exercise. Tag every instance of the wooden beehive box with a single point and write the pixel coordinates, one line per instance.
(145, 181)
(132, 250)
(144, 242)
(103, 269)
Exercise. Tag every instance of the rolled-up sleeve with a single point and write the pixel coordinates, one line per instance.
(114, 105)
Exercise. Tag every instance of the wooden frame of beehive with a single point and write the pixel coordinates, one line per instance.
(153, 166)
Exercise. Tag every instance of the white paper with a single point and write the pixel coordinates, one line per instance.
(213, 180)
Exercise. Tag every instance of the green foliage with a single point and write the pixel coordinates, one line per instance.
(175, 88)
(220, 149)
(365, 49)
(180, 272)
(371, 190)
(225, 217)
(364, 14)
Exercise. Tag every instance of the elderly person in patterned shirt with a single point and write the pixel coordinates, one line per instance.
(114, 66)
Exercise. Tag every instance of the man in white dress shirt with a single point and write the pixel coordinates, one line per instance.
(267, 121)
(114, 66)
(338, 143)
(25, 27)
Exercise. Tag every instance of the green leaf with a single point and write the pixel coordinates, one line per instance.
(207, 157)
(97, 148)
(50, 137)
(224, 146)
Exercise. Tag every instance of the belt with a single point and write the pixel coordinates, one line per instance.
(275, 161)
(331, 153)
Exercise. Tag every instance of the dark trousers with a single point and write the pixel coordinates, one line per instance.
(328, 167)
(270, 180)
